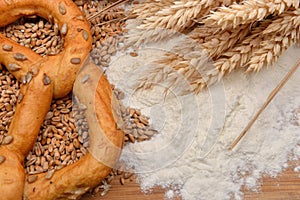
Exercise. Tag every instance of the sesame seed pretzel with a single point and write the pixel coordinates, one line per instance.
(42, 79)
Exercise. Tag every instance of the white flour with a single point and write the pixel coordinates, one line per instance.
(174, 158)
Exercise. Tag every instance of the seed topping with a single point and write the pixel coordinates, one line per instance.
(20, 57)
(2, 159)
(85, 35)
(32, 178)
(13, 67)
(23, 80)
(49, 174)
(29, 76)
(8, 139)
(64, 29)
(7, 47)
(35, 71)
(20, 97)
(75, 60)
(46, 80)
(85, 78)
(81, 18)
(62, 9)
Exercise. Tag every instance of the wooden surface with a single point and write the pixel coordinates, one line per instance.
(285, 187)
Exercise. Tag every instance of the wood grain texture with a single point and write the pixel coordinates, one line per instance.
(284, 187)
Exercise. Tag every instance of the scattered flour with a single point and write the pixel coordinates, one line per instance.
(178, 157)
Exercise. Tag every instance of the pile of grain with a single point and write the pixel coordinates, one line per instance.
(37, 34)
(64, 135)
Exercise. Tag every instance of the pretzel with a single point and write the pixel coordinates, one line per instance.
(53, 76)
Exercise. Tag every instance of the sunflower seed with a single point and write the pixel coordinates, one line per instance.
(19, 57)
(64, 29)
(51, 19)
(85, 35)
(20, 97)
(62, 9)
(35, 71)
(8, 139)
(13, 67)
(7, 47)
(81, 18)
(23, 80)
(75, 60)
(32, 178)
(49, 174)
(46, 80)
(85, 78)
(2, 159)
(28, 77)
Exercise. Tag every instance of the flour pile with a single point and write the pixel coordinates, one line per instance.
(190, 152)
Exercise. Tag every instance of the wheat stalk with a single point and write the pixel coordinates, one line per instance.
(191, 61)
(178, 16)
(248, 12)
(260, 44)
(251, 52)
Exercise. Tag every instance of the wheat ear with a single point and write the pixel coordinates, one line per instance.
(239, 55)
(219, 41)
(192, 62)
(177, 17)
(149, 8)
(191, 65)
(278, 36)
(248, 12)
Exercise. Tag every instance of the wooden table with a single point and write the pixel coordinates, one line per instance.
(285, 187)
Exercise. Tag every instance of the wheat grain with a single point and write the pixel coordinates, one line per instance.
(247, 12)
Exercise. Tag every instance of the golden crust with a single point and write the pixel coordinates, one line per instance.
(55, 78)
(106, 142)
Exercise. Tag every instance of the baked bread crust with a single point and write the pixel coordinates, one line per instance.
(53, 76)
